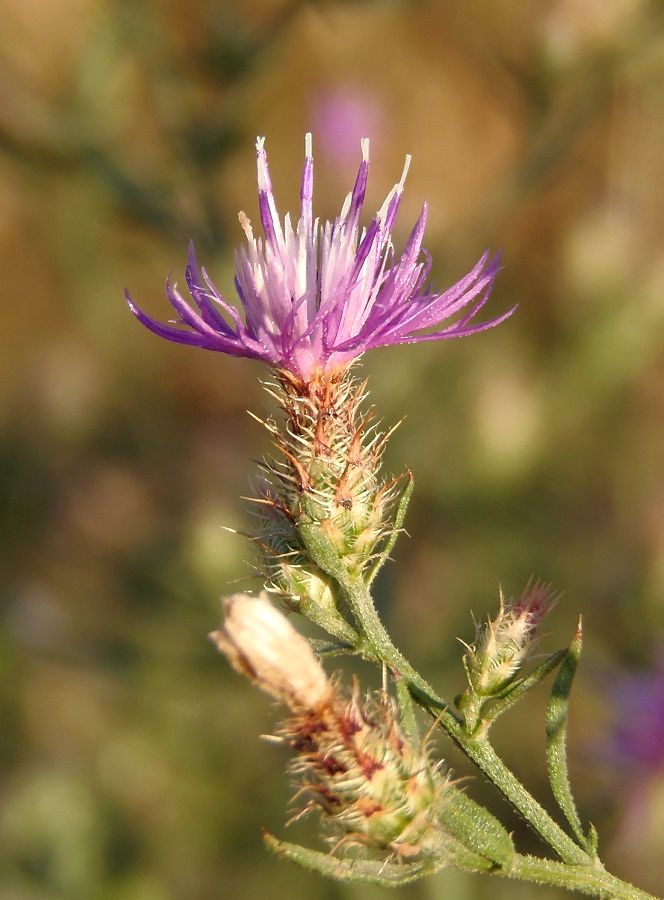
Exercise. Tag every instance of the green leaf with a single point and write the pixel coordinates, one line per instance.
(329, 620)
(556, 740)
(407, 711)
(363, 870)
(399, 518)
(593, 840)
(477, 830)
(520, 688)
(331, 648)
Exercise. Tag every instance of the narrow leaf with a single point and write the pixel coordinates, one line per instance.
(331, 648)
(556, 738)
(363, 870)
(593, 840)
(399, 518)
(477, 830)
(407, 712)
(521, 687)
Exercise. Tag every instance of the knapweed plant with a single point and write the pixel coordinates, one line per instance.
(315, 296)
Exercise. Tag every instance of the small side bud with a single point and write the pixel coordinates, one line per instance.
(504, 643)
(501, 648)
(261, 644)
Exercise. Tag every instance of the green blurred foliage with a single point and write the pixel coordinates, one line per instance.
(131, 768)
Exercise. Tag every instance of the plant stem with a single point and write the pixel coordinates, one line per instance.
(479, 750)
(578, 871)
(487, 760)
(379, 643)
(592, 880)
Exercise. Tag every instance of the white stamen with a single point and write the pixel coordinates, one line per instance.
(263, 177)
(382, 212)
(406, 167)
(245, 225)
(364, 143)
(308, 145)
(397, 189)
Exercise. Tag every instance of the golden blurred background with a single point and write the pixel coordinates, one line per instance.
(130, 763)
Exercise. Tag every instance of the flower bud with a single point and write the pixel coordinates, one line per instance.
(327, 477)
(260, 643)
(504, 643)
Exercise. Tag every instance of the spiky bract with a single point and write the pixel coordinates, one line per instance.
(504, 643)
(372, 786)
(326, 472)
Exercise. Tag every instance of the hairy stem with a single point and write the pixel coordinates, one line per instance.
(479, 750)
(592, 880)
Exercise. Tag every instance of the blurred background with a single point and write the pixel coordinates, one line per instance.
(131, 767)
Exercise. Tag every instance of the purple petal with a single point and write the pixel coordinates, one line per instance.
(170, 332)
(375, 299)
(307, 184)
(208, 310)
(445, 334)
(359, 188)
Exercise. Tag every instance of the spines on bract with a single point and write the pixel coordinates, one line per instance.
(504, 643)
(288, 571)
(333, 453)
(494, 662)
(326, 476)
(373, 788)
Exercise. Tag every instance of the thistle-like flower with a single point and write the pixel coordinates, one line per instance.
(318, 295)
(371, 785)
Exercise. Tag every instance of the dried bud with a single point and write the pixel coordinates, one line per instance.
(260, 643)
(504, 643)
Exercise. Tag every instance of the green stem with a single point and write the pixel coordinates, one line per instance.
(477, 749)
(379, 644)
(487, 760)
(578, 871)
(592, 880)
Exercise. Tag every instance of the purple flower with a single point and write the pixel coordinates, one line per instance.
(639, 706)
(317, 296)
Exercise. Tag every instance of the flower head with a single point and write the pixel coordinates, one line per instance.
(317, 295)
(373, 787)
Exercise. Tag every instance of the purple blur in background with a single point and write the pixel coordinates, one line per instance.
(639, 732)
